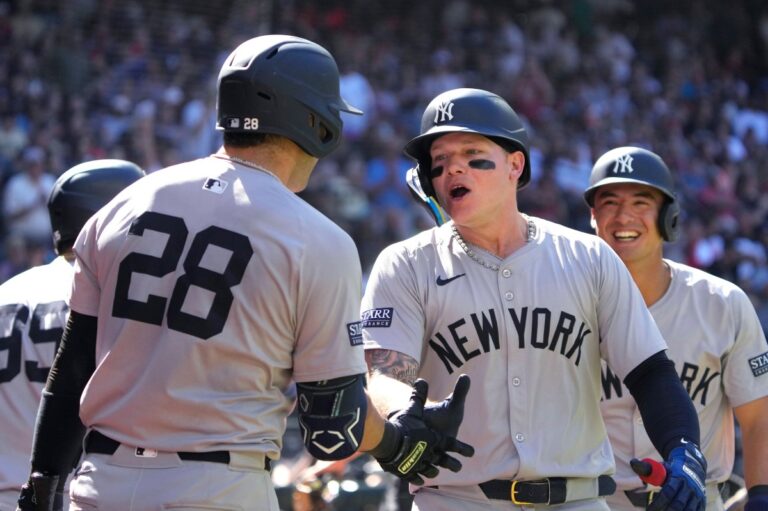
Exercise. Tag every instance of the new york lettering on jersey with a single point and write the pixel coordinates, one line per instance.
(698, 379)
(478, 333)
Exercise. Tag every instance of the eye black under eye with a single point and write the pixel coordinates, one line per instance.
(436, 171)
(482, 164)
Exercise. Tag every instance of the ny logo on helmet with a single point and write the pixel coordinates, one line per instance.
(623, 165)
(444, 112)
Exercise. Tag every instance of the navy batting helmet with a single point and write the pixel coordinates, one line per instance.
(641, 166)
(468, 111)
(83, 190)
(286, 86)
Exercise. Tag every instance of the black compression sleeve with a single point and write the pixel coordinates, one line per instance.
(666, 409)
(59, 431)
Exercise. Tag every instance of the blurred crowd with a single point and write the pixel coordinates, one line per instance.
(131, 79)
(87, 79)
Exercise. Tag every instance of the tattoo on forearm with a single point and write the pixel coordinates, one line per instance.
(392, 363)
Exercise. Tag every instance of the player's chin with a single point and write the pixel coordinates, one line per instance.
(625, 248)
(457, 205)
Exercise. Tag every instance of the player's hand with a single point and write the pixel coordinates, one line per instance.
(447, 415)
(41, 493)
(682, 479)
(420, 450)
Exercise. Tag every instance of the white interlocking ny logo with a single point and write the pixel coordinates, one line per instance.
(623, 164)
(444, 112)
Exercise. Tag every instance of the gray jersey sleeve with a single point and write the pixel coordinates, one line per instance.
(328, 330)
(628, 333)
(745, 373)
(392, 290)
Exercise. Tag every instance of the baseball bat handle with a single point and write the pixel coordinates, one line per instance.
(650, 471)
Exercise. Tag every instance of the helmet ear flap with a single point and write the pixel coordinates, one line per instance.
(422, 169)
(669, 216)
(413, 179)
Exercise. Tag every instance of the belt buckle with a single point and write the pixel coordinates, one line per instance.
(522, 502)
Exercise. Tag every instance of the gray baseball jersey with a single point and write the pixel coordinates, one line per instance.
(214, 285)
(721, 354)
(33, 311)
(530, 335)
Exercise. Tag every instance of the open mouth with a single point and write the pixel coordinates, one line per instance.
(458, 191)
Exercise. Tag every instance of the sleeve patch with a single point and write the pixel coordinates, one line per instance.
(759, 364)
(355, 332)
(381, 317)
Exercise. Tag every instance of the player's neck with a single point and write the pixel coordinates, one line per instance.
(282, 158)
(652, 277)
(498, 238)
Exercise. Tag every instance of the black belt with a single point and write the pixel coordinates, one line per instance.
(643, 498)
(97, 443)
(541, 491)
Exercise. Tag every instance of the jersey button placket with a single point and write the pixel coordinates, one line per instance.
(515, 385)
(506, 273)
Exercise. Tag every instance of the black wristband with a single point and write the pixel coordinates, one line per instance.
(758, 489)
(390, 441)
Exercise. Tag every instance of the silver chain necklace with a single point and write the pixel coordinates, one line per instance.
(243, 162)
(476, 258)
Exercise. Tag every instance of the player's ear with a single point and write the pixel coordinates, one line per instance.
(516, 163)
(592, 221)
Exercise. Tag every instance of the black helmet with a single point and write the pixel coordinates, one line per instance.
(83, 190)
(641, 166)
(469, 111)
(286, 86)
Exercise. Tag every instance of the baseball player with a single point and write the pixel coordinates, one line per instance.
(527, 308)
(714, 335)
(199, 294)
(33, 311)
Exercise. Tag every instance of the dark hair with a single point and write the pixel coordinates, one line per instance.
(247, 139)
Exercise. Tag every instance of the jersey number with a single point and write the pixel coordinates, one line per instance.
(154, 309)
(18, 315)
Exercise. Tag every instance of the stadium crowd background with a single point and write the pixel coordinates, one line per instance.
(86, 79)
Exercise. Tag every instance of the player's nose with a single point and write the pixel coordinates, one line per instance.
(455, 165)
(623, 213)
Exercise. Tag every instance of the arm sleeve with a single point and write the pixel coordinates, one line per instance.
(666, 409)
(59, 431)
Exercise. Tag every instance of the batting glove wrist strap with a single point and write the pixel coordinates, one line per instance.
(390, 441)
(684, 487)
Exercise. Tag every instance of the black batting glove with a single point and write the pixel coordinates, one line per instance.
(41, 493)
(447, 415)
(445, 418)
(410, 449)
